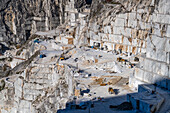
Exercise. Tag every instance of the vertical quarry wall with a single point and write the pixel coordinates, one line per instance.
(135, 28)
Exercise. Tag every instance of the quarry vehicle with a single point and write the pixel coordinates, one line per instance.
(42, 55)
(119, 59)
(36, 41)
(110, 90)
(104, 84)
(62, 58)
(131, 65)
(136, 59)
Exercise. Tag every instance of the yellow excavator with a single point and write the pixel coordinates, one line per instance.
(110, 90)
(62, 57)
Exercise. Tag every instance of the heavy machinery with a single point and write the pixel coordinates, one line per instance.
(62, 57)
(110, 90)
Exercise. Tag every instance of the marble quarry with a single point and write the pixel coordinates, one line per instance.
(85, 56)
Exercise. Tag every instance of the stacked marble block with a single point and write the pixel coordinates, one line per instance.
(22, 105)
(126, 33)
(145, 102)
(28, 88)
(76, 19)
(153, 72)
(37, 82)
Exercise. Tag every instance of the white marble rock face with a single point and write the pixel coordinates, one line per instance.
(137, 31)
(156, 46)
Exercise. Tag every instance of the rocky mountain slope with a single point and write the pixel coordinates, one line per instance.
(21, 18)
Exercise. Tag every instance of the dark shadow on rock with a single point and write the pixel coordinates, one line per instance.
(123, 106)
(85, 91)
(3, 48)
(88, 2)
(124, 103)
(116, 91)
